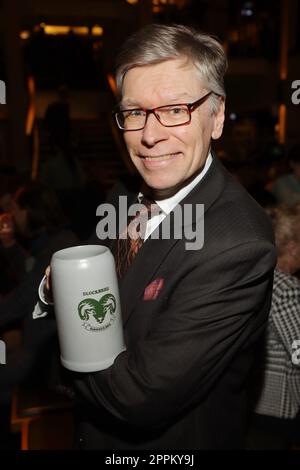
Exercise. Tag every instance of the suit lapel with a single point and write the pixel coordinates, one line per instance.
(153, 253)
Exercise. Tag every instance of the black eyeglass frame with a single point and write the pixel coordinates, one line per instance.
(190, 106)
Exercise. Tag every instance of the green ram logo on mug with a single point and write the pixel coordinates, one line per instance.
(97, 314)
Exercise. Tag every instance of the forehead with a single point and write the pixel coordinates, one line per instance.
(169, 80)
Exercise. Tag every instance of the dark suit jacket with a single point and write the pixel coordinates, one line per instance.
(181, 383)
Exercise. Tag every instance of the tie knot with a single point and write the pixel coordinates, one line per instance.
(151, 207)
(147, 201)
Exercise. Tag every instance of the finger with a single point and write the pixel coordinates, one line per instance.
(48, 278)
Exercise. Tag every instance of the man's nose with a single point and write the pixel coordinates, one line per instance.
(153, 131)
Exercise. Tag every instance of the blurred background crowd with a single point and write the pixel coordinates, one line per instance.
(60, 153)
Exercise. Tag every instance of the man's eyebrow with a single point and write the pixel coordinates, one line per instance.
(180, 98)
(129, 102)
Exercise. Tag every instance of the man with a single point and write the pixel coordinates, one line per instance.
(191, 316)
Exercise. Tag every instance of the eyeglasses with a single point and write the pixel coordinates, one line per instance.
(169, 116)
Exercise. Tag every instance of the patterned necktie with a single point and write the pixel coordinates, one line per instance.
(132, 238)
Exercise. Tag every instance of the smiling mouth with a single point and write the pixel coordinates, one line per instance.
(166, 156)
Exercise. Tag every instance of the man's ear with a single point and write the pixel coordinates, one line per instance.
(219, 118)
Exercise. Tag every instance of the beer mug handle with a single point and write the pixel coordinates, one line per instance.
(42, 294)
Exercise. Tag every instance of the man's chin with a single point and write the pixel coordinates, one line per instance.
(162, 190)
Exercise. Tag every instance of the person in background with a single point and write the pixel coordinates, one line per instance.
(286, 188)
(276, 422)
(57, 120)
(42, 227)
(12, 256)
(192, 315)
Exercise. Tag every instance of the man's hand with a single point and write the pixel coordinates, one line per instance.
(48, 286)
(48, 278)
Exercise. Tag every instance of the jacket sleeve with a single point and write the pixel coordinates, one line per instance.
(215, 311)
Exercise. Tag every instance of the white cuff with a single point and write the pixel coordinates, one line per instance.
(38, 311)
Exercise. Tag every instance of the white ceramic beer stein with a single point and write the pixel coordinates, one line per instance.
(87, 307)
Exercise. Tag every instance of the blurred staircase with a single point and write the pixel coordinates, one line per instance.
(95, 148)
(92, 142)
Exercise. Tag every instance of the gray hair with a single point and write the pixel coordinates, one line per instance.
(157, 43)
(286, 225)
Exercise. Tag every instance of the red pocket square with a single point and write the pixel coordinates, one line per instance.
(153, 289)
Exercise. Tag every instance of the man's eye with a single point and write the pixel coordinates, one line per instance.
(177, 110)
(173, 111)
(134, 113)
